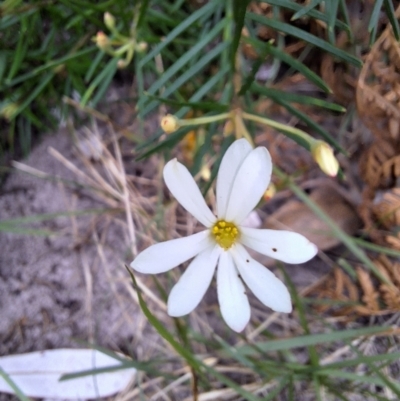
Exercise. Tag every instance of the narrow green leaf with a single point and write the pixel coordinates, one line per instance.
(21, 49)
(102, 81)
(239, 12)
(311, 123)
(312, 339)
(36, 91)
(346, 16)
(105, 83)
(331, 11)
(15, 388)
(293, 5)
(142, 13)
(373, 21)
(364, 359)
(307, 37)
(184, 59)
(353, 377)
(3, 64)
(190, 73)
(376, 248)
(288, 59)
(200, 93)
(296, 98)
(51, 64)
(205, 106)
(93, 66)
(391, 14)
(203, 11)
(305, 10)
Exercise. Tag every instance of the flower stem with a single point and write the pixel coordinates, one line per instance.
(203, 120)
(282, 127)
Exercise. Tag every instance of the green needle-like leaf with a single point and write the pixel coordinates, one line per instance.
(307, 37)
(305, 10)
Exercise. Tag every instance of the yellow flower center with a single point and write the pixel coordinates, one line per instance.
(225, 233)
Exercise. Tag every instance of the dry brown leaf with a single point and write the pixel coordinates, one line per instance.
(370, 295)
(373, 297)
(387, 209)
(376, 162)
(378, 95)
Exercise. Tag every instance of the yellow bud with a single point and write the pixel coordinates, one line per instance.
(169, 123)
(323, 155)
(270, 192)
(109, 21)
(102, 40)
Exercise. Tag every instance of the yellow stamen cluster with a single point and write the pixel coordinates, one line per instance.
(225, 233)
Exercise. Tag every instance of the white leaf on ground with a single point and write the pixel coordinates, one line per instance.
(37, 374)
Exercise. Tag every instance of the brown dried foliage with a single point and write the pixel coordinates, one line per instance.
(363, 296)
(378, 103)
(378, 89)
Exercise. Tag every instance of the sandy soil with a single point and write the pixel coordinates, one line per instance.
(59, 289)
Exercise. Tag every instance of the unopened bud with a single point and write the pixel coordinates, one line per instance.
(102, 40)
(169, 123)
(141, 47)
(122, 64)
(8, 111)
(323, 155)
(109, 20)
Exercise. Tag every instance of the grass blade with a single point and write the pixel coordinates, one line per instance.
(288, 59)
(373, 22)
(296, 98)
(201, 12)
(305, 36)
(14, 387)
(305, 10)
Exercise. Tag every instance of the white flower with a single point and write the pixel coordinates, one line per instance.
(243, 177)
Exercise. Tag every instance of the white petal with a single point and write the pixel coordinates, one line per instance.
(228, 169)
(287, 246)
(37, 374)
(164, 256)
(187, 193)
(250, 183)
(232, 298)
(191, 287)
(263, 283)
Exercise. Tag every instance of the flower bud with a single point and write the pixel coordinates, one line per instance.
(109, 20)
(141, 47)
(8, 111)
(122, 63)
(323, 155)
(101, 40)
(169, 123)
